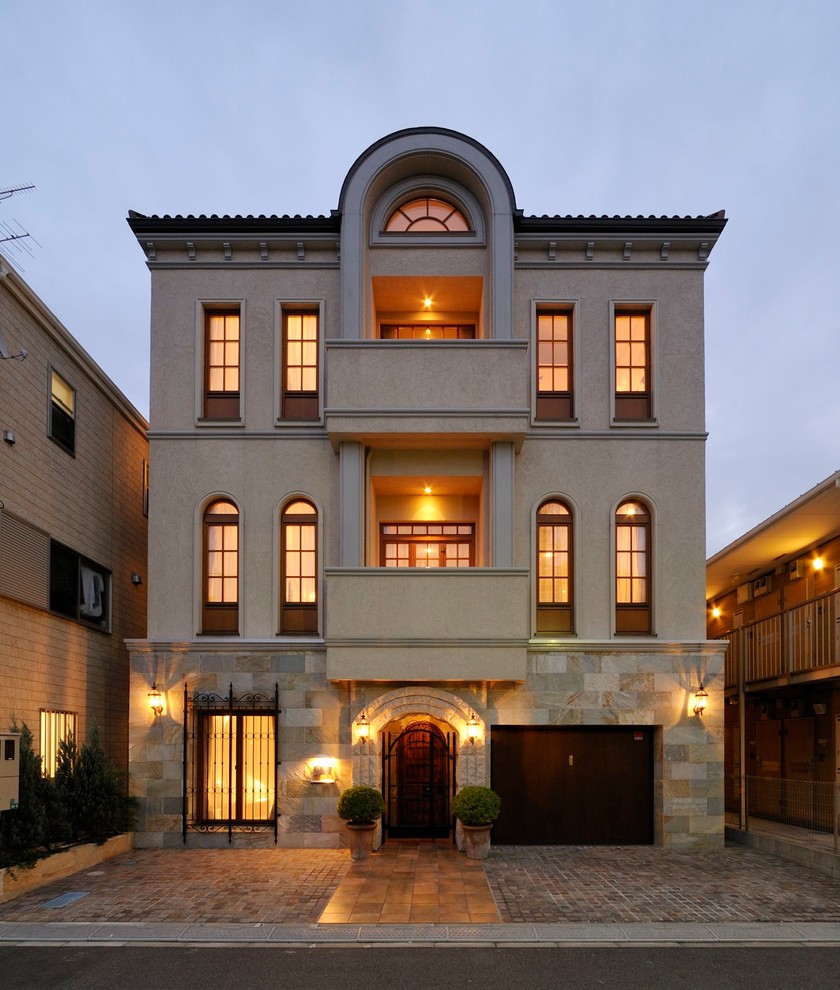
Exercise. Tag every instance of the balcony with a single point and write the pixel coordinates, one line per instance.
(408, 387)
(448, 624)
(794, 644)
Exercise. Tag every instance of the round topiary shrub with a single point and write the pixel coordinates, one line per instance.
(360, 805)
(476, 806)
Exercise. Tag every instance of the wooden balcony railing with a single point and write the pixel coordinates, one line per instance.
(794, 641)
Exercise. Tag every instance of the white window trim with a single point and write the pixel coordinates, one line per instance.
(650, 306)
(202, 308)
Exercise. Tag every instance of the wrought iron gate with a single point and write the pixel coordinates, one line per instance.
(418, 768)
(230, 762)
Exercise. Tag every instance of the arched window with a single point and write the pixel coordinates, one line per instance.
(220, 613)
(554, 568)
(632, 568)
(427, 214)
(299, 563)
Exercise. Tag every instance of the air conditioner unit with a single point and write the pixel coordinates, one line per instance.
(762, 585)
(744, 593)
(796, 570)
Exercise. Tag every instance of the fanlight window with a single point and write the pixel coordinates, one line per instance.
(427, 215)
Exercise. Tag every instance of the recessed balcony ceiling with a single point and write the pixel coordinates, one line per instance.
(448, 294)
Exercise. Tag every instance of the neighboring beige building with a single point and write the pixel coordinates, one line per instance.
(73, 525)
(427, 510)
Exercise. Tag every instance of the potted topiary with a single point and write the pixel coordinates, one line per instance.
(476, 808)
(360, 807)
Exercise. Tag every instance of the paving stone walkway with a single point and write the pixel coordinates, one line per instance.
(612, 886)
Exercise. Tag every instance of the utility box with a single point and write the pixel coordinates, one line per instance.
(9, 770)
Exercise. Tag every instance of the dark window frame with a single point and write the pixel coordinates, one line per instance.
(631, 404)
(416, 539)
(61, 427)
(222, 405)
(219, 618)
(300, 404)
(636, 616)
(298, 618)
(555, 617)
(70, 588)
(556, 404)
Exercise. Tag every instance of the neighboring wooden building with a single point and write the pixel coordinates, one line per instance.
(428, 510)
(73, 530)
(774, 596)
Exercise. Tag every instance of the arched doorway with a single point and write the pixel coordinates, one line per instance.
(418, 772)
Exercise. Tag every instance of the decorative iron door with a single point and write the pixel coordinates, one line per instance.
(419, 781)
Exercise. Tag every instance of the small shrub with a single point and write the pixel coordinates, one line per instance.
(476, 806)
(360, 805)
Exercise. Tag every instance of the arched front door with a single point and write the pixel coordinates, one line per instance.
(418, 781)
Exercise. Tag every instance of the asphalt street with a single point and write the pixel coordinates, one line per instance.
(409, 968)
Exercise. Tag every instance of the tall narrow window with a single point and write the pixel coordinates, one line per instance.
(632, 568)
(62, 426)
(221, 569)
(56, 728)
(221, 365)
(300, 365)
(554, 365)
(632, 365)
(554, 568)
(236, 767)
(299, 552)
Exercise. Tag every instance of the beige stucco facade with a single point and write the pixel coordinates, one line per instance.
(395, 417)
(90, 500)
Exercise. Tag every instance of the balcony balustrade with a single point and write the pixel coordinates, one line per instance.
(793, 642)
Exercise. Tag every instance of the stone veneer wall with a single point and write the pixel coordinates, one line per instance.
(610, 685)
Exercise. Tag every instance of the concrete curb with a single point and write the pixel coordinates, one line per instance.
(110, 933)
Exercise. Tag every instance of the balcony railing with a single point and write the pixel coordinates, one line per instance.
(795, 641)
(773, 804)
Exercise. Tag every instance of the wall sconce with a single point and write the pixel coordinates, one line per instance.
(818, 563)
(716, 612)
(155, 700)
(701, 699)
(135, 578)
(363, 729)
(323, 769)
(473, 729)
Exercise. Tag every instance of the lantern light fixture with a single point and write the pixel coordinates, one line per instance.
(472, 729)
(701, 699)
(363, 729)
(155, 700)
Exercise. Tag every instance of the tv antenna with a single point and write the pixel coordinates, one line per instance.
(13, 233)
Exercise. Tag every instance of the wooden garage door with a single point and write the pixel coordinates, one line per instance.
(573, 786)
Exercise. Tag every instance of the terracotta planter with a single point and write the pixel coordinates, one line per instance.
(476, 841)
(360, 840)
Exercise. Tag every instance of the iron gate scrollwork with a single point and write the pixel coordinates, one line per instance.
(230, 762)
(419, 774)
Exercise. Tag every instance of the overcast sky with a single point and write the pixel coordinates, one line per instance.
(639, 107)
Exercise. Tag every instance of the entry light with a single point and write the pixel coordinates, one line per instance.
(427, 302)
(323, 769)
(427, 490)
(819, 563)
(716, 612)
(472, 729)
(363, 729)
(701, 699)
(155, 700)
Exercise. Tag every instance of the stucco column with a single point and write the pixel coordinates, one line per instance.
(501, 504)
(351, 470)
